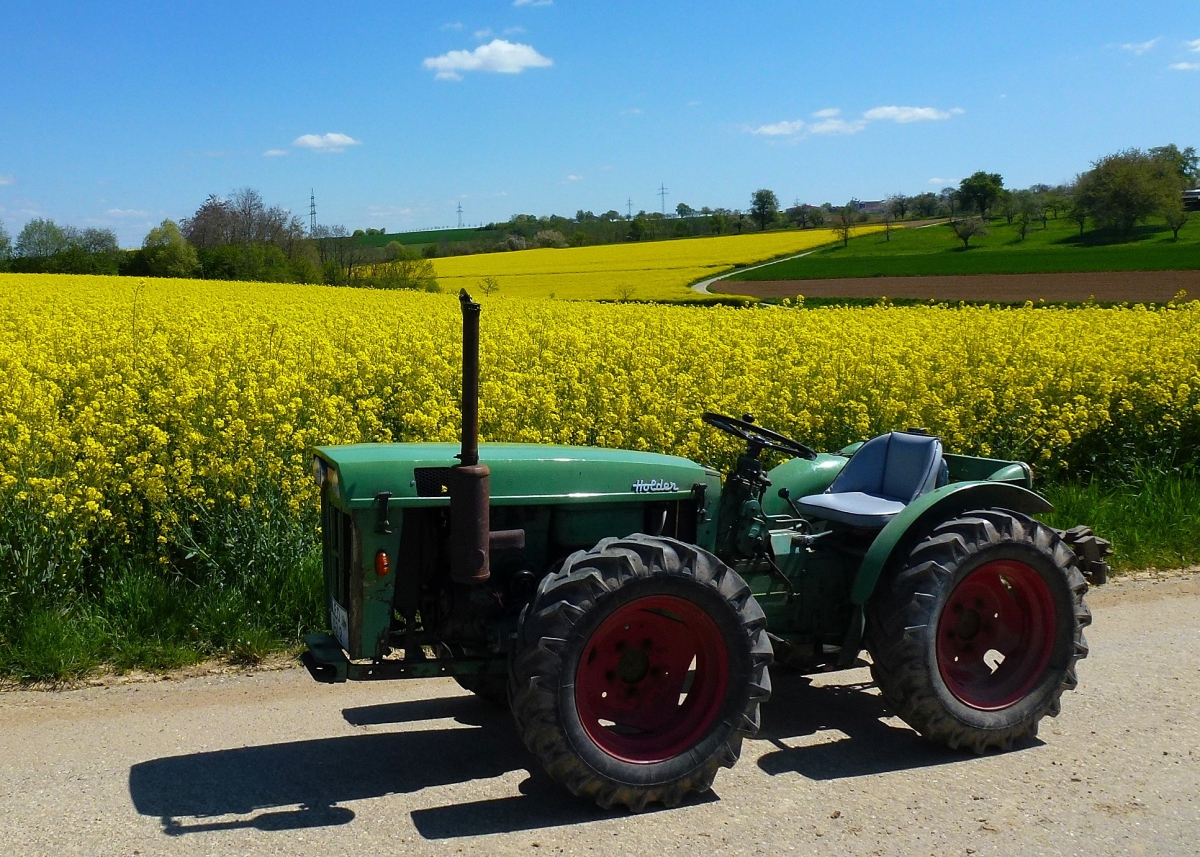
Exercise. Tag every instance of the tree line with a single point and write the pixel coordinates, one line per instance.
(238, 237)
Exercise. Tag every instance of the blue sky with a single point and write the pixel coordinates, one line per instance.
(121, 114)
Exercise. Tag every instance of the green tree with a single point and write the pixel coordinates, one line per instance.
(168, 254)
(403, 270)
(5, 245)
(816, 216)
(979, 191)
(1124, 188)
(1176, 215)
(764, 205)
(925, 204)
(41, 239)
(967, 228)
(1007, 204)
(1027, 209)
(843, 221)
(1186, 163)
(898, 205)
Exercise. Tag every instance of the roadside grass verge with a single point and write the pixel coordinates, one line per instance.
(260, 589)
(935, 250)
(1152, 518)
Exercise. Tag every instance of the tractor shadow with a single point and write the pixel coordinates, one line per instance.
(300, 784)
(798, 708)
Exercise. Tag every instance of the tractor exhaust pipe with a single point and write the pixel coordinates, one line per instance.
(471, 536)
(470, 481)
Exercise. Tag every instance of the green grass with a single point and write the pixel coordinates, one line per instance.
(239, 585)
(255, 587)
(935, 250)
(1152, 518)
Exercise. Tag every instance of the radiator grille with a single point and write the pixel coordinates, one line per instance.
(432, 481)
(337, 549)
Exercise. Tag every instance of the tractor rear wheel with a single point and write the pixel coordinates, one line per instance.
(639, 668)
(977, 636)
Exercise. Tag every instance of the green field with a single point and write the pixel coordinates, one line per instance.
(936, 250)
(431, 236)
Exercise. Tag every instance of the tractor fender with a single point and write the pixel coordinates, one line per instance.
(923, 514)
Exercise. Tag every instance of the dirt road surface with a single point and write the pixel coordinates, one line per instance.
(273, 763)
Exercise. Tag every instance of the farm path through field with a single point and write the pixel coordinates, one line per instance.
(273, 763)
(703, 286)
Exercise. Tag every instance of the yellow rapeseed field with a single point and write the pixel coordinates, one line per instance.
(653, 270)
(127, 403)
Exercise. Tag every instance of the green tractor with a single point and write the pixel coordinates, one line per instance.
(626, 605)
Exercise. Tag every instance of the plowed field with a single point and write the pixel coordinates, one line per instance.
(1116, 286)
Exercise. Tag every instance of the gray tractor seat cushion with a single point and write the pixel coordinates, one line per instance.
(885, 475)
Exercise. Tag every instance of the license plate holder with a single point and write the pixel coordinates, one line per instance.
(340, 622)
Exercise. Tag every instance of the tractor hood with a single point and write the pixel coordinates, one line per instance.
(414, 474)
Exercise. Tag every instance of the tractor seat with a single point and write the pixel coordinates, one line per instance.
(885, 475)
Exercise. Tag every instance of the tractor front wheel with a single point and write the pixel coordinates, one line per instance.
(975, 639)
(639, 668)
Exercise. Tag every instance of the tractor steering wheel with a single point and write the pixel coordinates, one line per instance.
(758, 437)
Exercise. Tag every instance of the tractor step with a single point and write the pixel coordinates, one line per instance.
(325, 660)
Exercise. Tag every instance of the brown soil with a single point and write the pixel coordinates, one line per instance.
(1116, 286)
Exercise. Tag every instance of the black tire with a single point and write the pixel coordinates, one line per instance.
(555, 673)
(928, 621)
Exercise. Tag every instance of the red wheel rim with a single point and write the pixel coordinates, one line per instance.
(996, 634)
(652, 679)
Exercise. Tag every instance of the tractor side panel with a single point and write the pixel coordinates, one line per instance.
(801, 477)
(922, 515)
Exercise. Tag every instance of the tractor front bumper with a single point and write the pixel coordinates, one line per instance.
(327, 662)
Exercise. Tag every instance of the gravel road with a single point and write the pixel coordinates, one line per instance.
(273, 763)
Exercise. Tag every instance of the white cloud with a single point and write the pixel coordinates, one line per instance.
(1139, 48)
(453, 25)
(937, 181)
(533, 2)
(325, 142)
(1194, 46)
(694, 103)
(1186, 66)
(779, 129)
(574, 178)
(837, 126)
(126, 212)
(498, 55)
(632, 111)
(910, 114)
(378, 213)
(830, 121)
(274, 153)
(7, 180)
(513, 31)
(482, 34)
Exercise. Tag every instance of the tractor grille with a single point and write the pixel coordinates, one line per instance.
(337, 549)
(432, 481)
